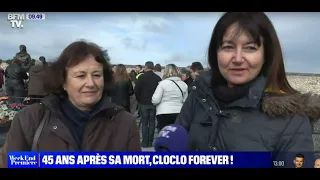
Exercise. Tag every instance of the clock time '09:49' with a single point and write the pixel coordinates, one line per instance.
(35, 16)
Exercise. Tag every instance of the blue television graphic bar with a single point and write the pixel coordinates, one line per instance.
(138, 160)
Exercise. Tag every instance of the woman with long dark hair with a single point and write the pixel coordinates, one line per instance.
(122, 89)
(246, 102)
(133, 100)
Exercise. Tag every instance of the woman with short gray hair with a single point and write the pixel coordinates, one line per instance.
(186, 77)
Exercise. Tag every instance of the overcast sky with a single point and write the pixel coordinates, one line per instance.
(134, 38)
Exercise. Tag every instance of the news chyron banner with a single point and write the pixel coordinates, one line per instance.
(137, 160)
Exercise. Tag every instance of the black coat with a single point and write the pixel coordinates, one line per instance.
(257, 122)
(120, 94)
(145, 87)
(15, 75)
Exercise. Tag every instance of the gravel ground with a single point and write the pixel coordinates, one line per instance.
(305, 83)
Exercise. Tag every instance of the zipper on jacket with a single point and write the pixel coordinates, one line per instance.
(221, 113)
(83, 143)
(211, 143)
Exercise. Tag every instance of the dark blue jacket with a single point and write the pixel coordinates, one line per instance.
(257, 122)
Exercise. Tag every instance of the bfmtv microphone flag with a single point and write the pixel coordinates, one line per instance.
(172, 138)
(138, 160)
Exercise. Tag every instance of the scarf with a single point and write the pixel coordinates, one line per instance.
(77, 119)
(226, 95)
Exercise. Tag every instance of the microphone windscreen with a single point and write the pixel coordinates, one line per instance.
(173, 137)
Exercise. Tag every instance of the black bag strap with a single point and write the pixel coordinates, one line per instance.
(178, 87)
(38, 132)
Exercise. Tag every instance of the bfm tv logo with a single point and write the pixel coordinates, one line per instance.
(16, 20)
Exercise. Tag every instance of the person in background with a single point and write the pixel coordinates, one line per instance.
(1, 75)
(169, 96)
(132, 76)
(188, 68)
(133, 100)
(186, 77)
(246, 103)
(24, 57)
(122, 89)
(144, 89)
(196, 68)
(33, 62)
(78, 115)
(139, 71)
(157, 70)
(36, 87)
(43, 60)
(114, 68)
(15, 76)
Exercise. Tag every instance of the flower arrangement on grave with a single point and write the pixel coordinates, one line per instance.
(8, 111)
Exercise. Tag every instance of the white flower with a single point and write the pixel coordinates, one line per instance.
(3, 107)
(11, 115)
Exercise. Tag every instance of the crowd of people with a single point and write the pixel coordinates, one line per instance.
(244, 102)
(161, 95)
(20, 79)
(157, 94)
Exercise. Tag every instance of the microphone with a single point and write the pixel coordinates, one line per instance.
(172, 138)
